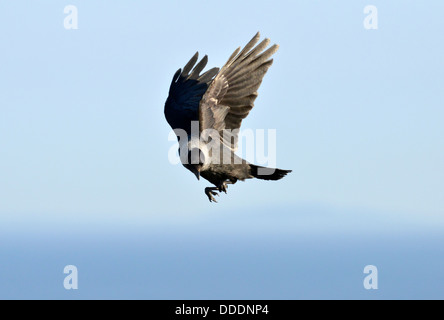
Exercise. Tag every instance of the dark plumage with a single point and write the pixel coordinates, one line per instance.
(219, 101)
(186, 91)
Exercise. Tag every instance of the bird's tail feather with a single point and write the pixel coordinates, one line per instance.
(267, 173)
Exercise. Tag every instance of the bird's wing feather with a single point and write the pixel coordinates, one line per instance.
(186, 91)
(231, 95)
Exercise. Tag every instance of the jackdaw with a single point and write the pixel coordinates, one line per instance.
(206, 111)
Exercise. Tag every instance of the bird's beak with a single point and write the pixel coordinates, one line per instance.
(197, 173)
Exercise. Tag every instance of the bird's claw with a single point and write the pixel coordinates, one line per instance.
(210, 194)
(223, 188)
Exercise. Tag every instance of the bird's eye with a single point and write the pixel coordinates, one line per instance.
(196, 156)
(189, 158)
(201, 158)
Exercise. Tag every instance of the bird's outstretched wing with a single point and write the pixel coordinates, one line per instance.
(231, 95)
(186, 91)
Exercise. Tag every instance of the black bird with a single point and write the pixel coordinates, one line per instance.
(216, 102)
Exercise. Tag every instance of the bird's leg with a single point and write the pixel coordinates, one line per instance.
(223, 186)
(210, 192)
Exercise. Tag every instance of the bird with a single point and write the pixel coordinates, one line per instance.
(202, 108)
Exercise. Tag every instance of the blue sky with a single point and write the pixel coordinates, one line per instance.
(85, 177)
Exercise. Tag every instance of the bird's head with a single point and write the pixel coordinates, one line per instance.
(195, 161)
